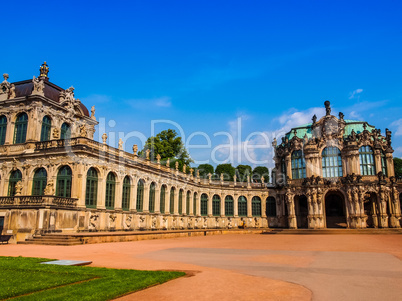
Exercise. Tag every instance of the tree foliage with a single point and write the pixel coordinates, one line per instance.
(398, 167)
(205, 169)
(227, 170)
(260, 171)
(242, 171)
(169, 146)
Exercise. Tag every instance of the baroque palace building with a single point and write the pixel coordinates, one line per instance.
(55, 178)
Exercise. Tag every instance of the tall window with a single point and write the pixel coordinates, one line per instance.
(331, 162)
(181, 201)
(65, 132)
(63, 182)
(125, 203)
(15, 177)
(21, 125)
(298, 165)
(188, 202)
(367, 167)
(216, 205)
(384, 164)
(140, 195)
(229, 205)
(3, 129)
(91, 192)
(270, 206)
(152, 197)
(171, 205)
(162, 202)
(110, 190)
(242, 205)
(256, 206)
(204, 204)
(39, 181)
(46, 128)
(195, 203)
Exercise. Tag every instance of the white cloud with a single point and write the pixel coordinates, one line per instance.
(146, 103)
(398, 125)
(355, 93)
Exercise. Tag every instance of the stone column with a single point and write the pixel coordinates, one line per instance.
(390, 164)
(118, 196)
(145, 205)
(192, 203)
(133, 196)
(176, 201)
(249, 207)
(209, 205)
(264, 205)
(291, 210)
(167, 200)
(377, 160)
(222, 204)
(184, 203)
(101, 193)
(157, 198)
(288, 163)
(197, 204)
(32, 126)
(235, 205)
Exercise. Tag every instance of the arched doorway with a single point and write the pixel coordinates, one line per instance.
(335, 212)
(301, 211)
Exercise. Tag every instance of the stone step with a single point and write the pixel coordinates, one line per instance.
(52, 243)
(332, 231)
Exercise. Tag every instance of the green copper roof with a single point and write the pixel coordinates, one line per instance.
(355, 125)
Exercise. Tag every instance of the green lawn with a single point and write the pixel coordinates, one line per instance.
(25, 279)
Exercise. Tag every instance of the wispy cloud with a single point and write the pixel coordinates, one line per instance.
(355, 93)
(146, 103)
(398, 125)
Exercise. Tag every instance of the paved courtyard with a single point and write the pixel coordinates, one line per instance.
(252, 266)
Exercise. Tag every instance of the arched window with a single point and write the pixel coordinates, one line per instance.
(204, 204)
(366, 155)
(162, 202)
(21, 125)
(15, 177)
(110, 190)
(181, 201)
(331, 162)
(195, 204)
(91, 192)
(188, 202)
(152, 197)
(46, 128)
(384, 164)
(3, 129)
(63, 182)
(171, 205)
(298, 165)
(270, 206)
(65, 132)
(242, 205)
(216, 205)
(229, 205)
(125, 202)
(39, 181)
(140, 195)
(256, 206)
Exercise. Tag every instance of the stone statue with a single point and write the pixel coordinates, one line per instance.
(184, 168)
(341, 116)
(388, 136)
(314, 119)
(49, 188)
(262, 179)
(198, 173)
(327, 105)
(83, 131)
(120, 144)
(221, 177)
(56, 133)
(93, 113)
(135, 149)
(158, 158)
(234, 179)
(12, 92)
(104, 138)
(147, 152)
(4, 88)
(176, 164)
(18, 188)
(38, 86)
(248, 178)
(168, 162)
(191, 171)
(274, 142)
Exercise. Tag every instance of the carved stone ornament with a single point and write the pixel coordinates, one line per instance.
(135, 149)
(93, 113)
(83, 131)
(120, 144)
(49, 190)
(38, 86)
(4, 88)
(12, 92)
(158, 158)
(104, 138)
(56, 133)
(18, 188)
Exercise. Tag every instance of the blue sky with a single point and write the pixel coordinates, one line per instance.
(207, 64)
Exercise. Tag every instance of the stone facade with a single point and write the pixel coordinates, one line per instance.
(55, 178)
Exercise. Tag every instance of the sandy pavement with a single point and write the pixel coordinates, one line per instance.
(251, 267)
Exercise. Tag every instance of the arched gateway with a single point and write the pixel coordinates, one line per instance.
(335, 211)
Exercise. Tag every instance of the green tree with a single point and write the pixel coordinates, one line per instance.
(227, 170)
(260, 171)
(169, 146)
(242, 171)
(205, 169)
(398, 167)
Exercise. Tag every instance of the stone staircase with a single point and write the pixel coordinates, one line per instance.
(53, 239)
